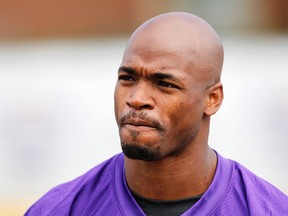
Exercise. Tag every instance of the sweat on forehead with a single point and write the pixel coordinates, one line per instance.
(188, 35)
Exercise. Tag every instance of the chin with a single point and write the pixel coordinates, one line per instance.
(137, 152)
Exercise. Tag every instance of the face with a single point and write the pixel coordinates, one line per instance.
(159, 101)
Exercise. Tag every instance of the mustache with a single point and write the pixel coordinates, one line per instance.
(143, 116)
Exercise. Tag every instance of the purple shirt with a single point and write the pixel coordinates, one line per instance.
(103, 191)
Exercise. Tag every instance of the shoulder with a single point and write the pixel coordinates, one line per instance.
(249, 191)
(97, 184)
(244, 178)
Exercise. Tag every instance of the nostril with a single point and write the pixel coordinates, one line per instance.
(146, 106)
(138, 106)
(128, 104)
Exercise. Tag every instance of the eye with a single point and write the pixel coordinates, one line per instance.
(125, 78)
(166, 84)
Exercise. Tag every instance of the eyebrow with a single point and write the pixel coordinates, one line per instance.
(160, 75)
(157, 75)
(128, 70)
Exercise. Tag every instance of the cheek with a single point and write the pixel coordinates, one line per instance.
(173, 114)
(118, 103)
(184, 116)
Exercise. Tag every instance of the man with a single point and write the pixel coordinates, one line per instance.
(168, 88)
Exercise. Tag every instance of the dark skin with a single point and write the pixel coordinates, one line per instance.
(170, 73)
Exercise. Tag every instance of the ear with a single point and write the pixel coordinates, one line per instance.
(214, 98)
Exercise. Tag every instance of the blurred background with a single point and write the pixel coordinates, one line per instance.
(58, 63)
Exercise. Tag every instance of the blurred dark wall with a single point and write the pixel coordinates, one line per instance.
(61, 18)
(54, 18)
(276, 14)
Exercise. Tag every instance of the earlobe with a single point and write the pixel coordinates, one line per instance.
(214, 99)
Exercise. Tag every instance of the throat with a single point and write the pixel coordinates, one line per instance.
(153, 207)
(170, 180)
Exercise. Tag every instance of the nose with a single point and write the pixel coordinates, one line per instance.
(140, 98)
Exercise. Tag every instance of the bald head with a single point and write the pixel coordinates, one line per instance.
(198, 45)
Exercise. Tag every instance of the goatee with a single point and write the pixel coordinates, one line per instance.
(136, 152)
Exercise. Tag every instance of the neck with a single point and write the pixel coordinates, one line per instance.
(174, 177)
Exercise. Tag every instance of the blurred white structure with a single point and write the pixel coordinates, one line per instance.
(57, 118)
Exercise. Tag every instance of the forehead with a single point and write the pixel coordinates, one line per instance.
(148, 63)
(151, 59)
(156, 50)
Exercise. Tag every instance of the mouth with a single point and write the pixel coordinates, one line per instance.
(138, 124)
(140, 121)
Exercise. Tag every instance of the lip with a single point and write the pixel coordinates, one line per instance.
(138, 124)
